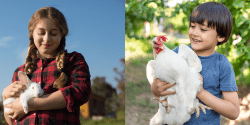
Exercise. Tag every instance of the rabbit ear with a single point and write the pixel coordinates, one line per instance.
(23, 78)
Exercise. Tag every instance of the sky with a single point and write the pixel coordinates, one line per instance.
(96, 30)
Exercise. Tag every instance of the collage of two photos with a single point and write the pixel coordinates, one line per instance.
(62, 62)
(132, 62)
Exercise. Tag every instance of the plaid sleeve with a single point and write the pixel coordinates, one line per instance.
(77, 91)
(15, 74)
(15, 77)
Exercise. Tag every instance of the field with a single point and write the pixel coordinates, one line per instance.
(120, 120)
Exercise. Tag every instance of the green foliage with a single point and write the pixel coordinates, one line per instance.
(140, 60)
(179, 25)
(103, 89)
(121, 84)
(2, 119)
(120, 120)
(241, 26)
(142, 46)
(138, 46)
(139, 11)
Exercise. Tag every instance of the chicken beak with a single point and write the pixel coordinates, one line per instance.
(162, 47)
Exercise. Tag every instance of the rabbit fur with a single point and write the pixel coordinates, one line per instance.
(33, 90)
(183, 69)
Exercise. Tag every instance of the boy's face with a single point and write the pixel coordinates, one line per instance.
(203, 39)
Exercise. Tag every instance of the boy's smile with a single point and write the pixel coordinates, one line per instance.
(203, 39)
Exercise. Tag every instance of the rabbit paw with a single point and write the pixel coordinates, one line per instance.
(25, 109)
(7, 110)
(9, 100)
(203, 108)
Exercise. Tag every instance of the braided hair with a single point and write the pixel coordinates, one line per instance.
(59, 54)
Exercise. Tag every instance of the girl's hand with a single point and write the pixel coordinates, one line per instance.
(13, 90)
(16, 109)
(158, 88)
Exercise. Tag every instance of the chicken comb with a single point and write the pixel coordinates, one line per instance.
(161, 37)
(159, 42)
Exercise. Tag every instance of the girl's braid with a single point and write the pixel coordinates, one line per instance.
(60, 58)
(30, 63)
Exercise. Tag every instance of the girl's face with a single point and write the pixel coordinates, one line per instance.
(47, 37)
(203, 38)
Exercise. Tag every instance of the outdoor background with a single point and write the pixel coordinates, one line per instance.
(96, 30)
(165, 17)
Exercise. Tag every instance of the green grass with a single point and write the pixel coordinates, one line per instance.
(120, 120)
(2, 121)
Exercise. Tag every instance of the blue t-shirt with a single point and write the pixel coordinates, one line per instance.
(218, 75)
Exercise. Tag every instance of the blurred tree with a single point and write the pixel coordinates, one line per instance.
(139, 11)
(103, 89)
(121, 83)
(237, 53)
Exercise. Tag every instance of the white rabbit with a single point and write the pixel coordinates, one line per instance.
(33, 90)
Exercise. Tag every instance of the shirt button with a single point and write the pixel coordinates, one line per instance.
(41, 67)
(39, 82)
(34, 114)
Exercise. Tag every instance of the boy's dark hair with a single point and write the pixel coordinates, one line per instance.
(217, 16)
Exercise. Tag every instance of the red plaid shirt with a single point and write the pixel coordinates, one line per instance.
(76, 92)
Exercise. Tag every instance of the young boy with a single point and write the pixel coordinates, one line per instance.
(210, 25)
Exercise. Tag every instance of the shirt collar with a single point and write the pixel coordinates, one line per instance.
(38, 58)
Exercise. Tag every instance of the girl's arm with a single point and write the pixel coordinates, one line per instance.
(46, 102)
(228, 106)
(7, 119)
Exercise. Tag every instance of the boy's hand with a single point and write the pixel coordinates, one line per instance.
(201, 79)
(158, 88)
(201, 86)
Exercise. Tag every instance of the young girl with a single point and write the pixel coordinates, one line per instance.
(63, 76)
(210, 25)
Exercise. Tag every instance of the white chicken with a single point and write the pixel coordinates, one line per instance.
(183, 69)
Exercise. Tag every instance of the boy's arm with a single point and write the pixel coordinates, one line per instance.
(228, 106)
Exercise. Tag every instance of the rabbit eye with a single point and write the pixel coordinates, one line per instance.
(32, 87)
